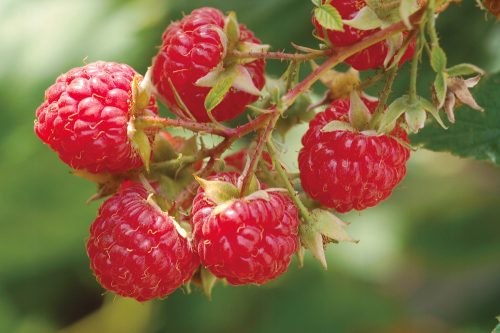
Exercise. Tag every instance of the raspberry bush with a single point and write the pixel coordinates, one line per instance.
(180, 211)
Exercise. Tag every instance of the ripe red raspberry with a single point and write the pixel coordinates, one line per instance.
(350, 170)
(85, 115)
(251, 241)
(192, 47)
(135, 249)
(370, 58)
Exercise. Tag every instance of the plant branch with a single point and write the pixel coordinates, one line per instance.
(304, 212)
(262, 139)
(281, 55)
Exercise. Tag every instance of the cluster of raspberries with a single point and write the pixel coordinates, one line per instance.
(138, 250)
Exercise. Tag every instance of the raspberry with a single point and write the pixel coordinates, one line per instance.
(370, 58)
(135, 249)
(85, 115)
(191, 48)
(350, 170)
(250, 241)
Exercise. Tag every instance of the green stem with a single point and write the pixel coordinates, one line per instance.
(262, 139)
(370, 81)
(384, 96)
(431, 26)
(304, 212)
(414, 74)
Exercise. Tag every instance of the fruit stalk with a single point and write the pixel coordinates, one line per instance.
(304, 212)
(281, 55)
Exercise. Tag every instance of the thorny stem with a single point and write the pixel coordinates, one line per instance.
(282, 55)
(384, 96)
(414, 72)
(369, 81)
(266, 134)
(219, 130)
(159, 122)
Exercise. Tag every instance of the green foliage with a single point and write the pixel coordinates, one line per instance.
(474, 134)
(328, 17)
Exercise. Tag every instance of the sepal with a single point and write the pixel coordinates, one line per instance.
(208, 281)
(324, 228)
(218, 191)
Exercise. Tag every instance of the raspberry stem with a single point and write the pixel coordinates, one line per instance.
(304, 212)
(384, 96)
(262, 139)
(414, 70)
(281, 55)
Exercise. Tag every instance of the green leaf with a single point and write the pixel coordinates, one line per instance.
(440, 88)
(329, 17)
(464, 69)
(219, 90)
(438, 59)
(474, 134)
(394, 111)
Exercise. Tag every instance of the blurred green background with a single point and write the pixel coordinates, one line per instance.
(428, 260)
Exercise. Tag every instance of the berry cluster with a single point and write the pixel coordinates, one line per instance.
(178, 211)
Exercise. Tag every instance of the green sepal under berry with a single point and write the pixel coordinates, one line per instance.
(141, 144)
(217, 190)
(360, 118)
(323, 227)
(208, 281)
(415, 112)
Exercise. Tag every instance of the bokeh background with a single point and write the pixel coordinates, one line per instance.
(428, 260)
